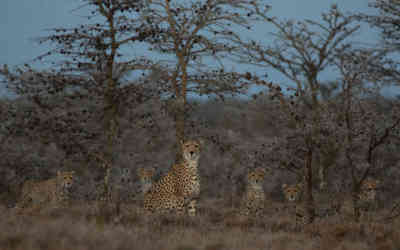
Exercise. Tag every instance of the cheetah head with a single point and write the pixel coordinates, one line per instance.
(191, 149)
(292, 192)
(146, 177)
(146, 174)
(255, 178)
(66, 178)
(368, 188)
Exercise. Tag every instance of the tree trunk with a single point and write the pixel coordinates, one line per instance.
(180, 117)
(321, 171)
(356, 208)
(111, 131)
(309, 200)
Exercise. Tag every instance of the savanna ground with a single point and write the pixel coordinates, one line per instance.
(85, 225)
(82, 227)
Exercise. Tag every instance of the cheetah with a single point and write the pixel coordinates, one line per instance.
(56, 190)
(146, 178)
(366, 199)
(293, 195)
(368, 190)
(180, 186)
(254, 198)
(368, 202)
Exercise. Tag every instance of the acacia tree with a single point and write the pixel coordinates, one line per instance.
(302, 138)
(89, 65)
(302, 51)
(387, 21)
(197, 35)
(365, 130)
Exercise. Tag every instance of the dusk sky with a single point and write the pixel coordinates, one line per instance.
(22, 20)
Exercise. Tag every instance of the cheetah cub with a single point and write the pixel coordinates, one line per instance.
(367, 200)
(56, 190)
(293, 196)
(146, 178)
(254, 198)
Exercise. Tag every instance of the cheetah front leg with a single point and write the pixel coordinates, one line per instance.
(191, 208)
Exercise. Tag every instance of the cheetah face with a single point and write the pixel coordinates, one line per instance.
(146, 175)
(146, 178)
(368, 189)
(191, 149)
(255, 178)
(67, 178)
(292, 192)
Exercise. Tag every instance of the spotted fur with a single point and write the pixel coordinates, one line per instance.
(293, 195)
(366, 202)
(254, 198)
(56, 190)
(180, 185)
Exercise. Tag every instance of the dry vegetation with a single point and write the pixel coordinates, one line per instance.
(87, 113)
(84, 226)
(80, 227)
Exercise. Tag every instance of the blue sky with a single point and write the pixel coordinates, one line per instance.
(22, 20)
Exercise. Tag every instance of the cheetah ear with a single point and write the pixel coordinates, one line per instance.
(182, 142)
(300, 185)
(58, 172)
(377, 182)
(73, 172)
(284, 185)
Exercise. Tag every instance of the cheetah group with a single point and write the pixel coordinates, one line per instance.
(179, 190)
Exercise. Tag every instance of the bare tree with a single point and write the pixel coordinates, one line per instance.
(365, 128)
(302, 51)
(197, 35)
(301, 140)
(387, 21)
(89, 65)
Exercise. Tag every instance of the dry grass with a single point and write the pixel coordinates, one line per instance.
(216, 227)
(86, 226)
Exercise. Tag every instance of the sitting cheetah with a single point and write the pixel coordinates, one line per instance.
(181, 184)
(146, 178)
(254, 198)
(368, 191)
(366, 199)
(293, 194)
(55, 190)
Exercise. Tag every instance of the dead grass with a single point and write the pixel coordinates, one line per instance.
(89, 226)
(84, 226)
